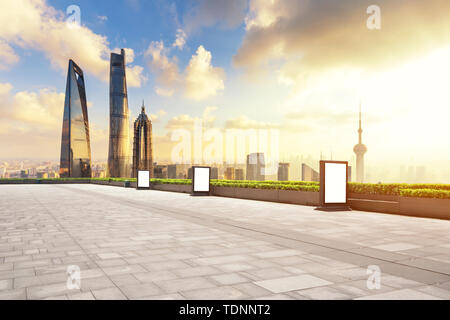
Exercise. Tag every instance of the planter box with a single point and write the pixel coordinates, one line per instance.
(229, 192)
(374, 205)
(257, 194)
(299, 197)
(425, 207)
(184, 188)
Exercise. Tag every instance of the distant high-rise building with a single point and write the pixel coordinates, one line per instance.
(119, 140)
(229, 173)
(177, 171)
(309, 174)
(239, 174)
(360, 149)
(142, 144)
(214, 173)
(349, 173)
(255, 166)
(75, 143)
(160, 171)
(283, 171)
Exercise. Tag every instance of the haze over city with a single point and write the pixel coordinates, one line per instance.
(260, 64)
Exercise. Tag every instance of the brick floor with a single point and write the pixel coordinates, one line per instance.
(133, 244)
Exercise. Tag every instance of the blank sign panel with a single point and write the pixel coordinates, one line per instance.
(201, 179)
(143, 179)
(335, 183)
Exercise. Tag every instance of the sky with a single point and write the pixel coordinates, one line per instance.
(298, 68)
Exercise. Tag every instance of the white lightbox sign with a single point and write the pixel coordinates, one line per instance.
(201, 179)
(335, 182)
(143, 180)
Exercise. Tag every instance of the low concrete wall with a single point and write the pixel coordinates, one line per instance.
(425, 207)
(374, 205)
(299, 197)
(285, 196)
(184, 188)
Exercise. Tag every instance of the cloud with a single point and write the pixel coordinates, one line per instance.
(156, 117)
(199, 80)
(7, 56)
(308, 36)
(102, 18)
(207, 13)
(35, 25)
(180, 40)
(202, 79)
(187, 122)
(166, 69)
(31, 123)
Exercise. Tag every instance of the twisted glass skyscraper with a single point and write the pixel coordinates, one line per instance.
(119, 143)
(75, 143)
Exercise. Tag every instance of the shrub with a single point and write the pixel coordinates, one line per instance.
(425, 193)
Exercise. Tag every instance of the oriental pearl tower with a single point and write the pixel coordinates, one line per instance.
(360, 149)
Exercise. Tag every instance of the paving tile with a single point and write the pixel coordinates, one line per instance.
(16, 294)
(292, 283)
(109, 294)
(186, 284)
(229, 278)
(399, 246)
(6, 284)
(226, 292)
(135, 291)
(196, 271)
(325, 293)
(403, 294)
(154, 276)
(81, 296)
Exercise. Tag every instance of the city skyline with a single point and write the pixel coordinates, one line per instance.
(192, 64)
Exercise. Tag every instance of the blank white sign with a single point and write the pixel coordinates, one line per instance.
(335, 183)
(201, 179)
(143, 179)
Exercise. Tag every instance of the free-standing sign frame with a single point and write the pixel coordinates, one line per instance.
(198, 187)
(143, 180)
(333, 167)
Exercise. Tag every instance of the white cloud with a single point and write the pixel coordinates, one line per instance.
(199, 81)
(35, 25)
(156, 117)
(202, 79)
(7, 56)
(165, 68)
(102, 18)
(309, 36)
(31, 123)
(180, 40)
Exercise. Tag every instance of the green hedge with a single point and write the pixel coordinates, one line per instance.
(425, 193)
(392, 188)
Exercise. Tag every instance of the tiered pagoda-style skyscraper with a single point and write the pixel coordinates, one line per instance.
(142, 145)
(360, 149)
(119, 140)
(75, 142)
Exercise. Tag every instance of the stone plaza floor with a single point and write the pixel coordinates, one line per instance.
(132, 244)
